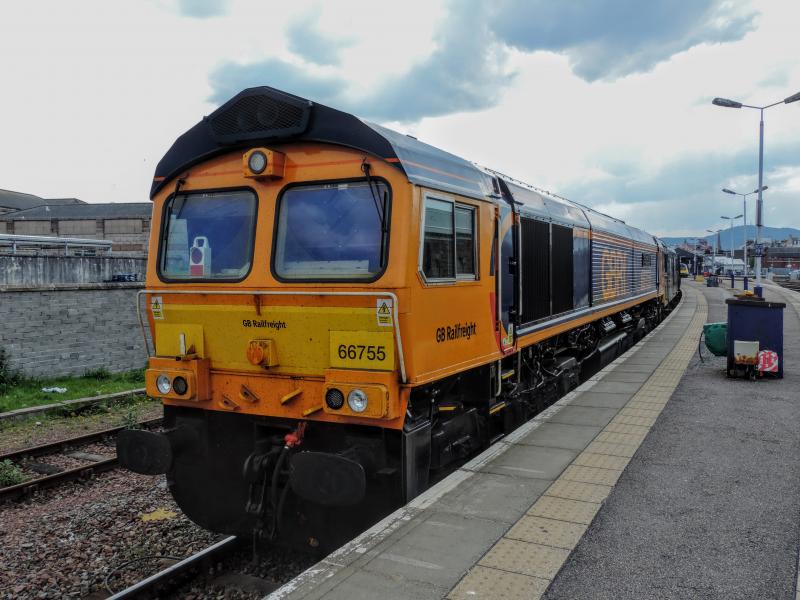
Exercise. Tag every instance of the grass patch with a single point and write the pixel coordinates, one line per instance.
(10, 474)
(21, 392)
(46, 427)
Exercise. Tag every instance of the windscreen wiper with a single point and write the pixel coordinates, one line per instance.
(366, 167)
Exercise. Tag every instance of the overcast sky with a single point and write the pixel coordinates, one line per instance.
(608, 105)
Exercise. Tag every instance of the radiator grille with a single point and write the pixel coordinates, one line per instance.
(261, 115)
(562, 269)
(535, 270)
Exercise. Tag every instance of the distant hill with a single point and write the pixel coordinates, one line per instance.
(774, 233)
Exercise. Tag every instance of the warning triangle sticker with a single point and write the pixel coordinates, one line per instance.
(383, 312)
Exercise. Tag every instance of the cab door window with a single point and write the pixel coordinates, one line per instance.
(449, 241)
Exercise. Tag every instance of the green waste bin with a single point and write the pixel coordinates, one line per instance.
(716, 335)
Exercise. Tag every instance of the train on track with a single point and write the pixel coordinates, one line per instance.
(342, 314)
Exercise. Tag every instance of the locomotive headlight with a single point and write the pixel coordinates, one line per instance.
(257, 162)
(163, 384)
(357, 401)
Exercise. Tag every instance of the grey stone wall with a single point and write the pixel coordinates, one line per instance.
(70, 329)
(28, 270)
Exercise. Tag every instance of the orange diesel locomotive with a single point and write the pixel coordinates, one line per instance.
(341, 314)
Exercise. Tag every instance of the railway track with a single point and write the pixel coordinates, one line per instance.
(176, 574)
(224, 569)
(52, 476)
(789, 284)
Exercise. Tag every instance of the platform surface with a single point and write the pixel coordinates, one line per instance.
(570, 506)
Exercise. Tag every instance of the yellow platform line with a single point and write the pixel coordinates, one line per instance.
(524, 562)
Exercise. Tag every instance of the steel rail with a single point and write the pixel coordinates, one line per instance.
(789, 285)
(56, 446)
(22, 490)
(169, 574)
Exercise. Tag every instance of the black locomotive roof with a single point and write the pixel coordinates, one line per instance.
(264, 114)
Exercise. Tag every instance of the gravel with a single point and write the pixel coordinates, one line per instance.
(63, 462)
(74, 540)
(65, 541)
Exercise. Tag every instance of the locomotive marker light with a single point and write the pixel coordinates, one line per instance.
(163, 384)
(180, 386)
(334, 398)
(726, 103)
(357, 400)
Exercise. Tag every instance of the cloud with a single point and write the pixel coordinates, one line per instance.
(776, 78)
(230, 78)
(467, 70)
(608, 39)
(307, 41)
(202, 9)
(464, 73)
(685, 194)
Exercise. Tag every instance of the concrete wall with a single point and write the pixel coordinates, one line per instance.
(70, 329)
(26, 270)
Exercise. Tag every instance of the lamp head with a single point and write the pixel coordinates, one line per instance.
(727, 191)
(792, 98)
(726, 103)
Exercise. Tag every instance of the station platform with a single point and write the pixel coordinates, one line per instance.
(657, 478)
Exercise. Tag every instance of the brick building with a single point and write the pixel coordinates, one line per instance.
(15, 201)
(126, 224)
(787, 257)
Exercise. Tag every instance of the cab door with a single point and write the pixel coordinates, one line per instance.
(507, 280)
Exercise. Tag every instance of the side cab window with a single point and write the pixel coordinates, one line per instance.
(449, 241)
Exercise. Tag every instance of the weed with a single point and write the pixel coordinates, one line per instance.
(8, 377)
(130, 418)
(10, 474)
(99, 374)
(134, 376)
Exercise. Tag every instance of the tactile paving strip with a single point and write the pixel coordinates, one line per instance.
(526, 559)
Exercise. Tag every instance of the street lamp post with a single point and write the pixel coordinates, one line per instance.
(744, 236)
(731, 219)
(714, 250)
(724, 102)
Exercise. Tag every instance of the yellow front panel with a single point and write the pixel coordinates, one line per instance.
(179, 339)
(300, 335)
(362, 350)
